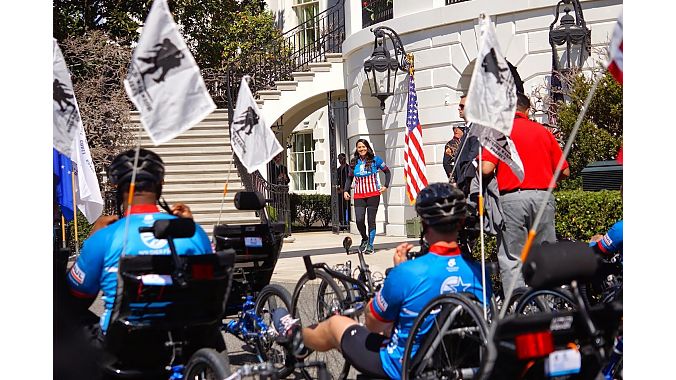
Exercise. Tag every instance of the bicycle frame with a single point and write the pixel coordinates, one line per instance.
(248, 326)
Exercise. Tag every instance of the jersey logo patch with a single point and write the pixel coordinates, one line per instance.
(149, 240)
(77, 274)
(607, 240)
(453, 284)
(380, 301)
(452, 267)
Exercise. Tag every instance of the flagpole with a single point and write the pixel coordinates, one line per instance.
(77, 242)
(132, 189)
(63, 232)
(481, 233)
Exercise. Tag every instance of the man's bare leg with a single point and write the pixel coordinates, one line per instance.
(327, 334)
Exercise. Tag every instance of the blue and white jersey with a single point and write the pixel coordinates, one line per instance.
(611, 243)
(96, 267)
(410, 286)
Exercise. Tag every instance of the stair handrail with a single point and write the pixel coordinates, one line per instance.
(293, 53)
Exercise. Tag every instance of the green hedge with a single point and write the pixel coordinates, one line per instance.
(308, 209)
(581, 214)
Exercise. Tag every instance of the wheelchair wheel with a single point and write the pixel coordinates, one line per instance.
(545, 300)
(315, 301)
(271, 297)
(207, 364)
(454, 340)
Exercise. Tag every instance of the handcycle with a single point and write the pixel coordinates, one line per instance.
(167, 312)
(252, 298)
(461, 323)
(567, 344)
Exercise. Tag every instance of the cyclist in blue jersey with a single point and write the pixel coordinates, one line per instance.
(367, 190)
(96, 267)
(610, 243)
(377, 348)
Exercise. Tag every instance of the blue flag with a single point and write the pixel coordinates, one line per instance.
(63, 168)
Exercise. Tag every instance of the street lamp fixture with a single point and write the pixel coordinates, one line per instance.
(381, 68)
(572, 32)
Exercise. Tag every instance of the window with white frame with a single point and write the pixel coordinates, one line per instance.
(306, 10)
(303, 165)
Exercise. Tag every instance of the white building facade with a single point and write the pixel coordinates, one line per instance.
(443, 39)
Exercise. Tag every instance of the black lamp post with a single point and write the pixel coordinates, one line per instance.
(381, 68)
(572, 32)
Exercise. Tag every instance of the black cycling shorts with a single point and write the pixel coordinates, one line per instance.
(361, 348)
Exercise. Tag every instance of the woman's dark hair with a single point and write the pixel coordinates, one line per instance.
(369, 154)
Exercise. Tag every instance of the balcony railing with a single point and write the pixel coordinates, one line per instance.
(451, 2)
(375, 11)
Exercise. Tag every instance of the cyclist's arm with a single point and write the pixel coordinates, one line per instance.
(374, 324)
(380, 164)
(611, 242)
(385, 306)
(83, 277)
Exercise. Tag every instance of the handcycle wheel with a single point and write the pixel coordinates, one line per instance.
(315, 301)
(271, 297)
(545, 300)
(454, 340)
(207, 364)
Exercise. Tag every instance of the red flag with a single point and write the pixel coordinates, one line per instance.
(615, 64)
(414, 158)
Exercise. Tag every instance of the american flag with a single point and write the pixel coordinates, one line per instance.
(414, 158)
(616, 53)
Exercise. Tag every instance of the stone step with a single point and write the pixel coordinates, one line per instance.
(199, 198)
(214, 150)
(193, 144)
(287, 85)
(190, 179)
(269, 94)
(319, 66)
(212, 187)
(303, 76)
(334, 57)
(219, 114)
(172, 173)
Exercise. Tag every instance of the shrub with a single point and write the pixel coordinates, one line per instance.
(581, 214)
(307, 209)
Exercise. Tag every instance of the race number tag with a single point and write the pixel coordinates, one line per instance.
(253, 242)
(563, 362)
(156, 279)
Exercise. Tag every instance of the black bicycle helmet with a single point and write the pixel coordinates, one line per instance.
(149, 168)
(441, 203)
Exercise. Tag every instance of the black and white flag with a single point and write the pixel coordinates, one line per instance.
(163, 79)
(491, 99)
(67, 121)
(254, 143)
(500, 146)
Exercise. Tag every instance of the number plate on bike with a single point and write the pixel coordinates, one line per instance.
(253, 242)
(563, 362)
(156, 279)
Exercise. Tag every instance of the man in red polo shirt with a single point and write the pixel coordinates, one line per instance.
(540, 153)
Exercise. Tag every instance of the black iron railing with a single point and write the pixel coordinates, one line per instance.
(278, 206)
(306, 43)
(375, 11)
(451, 2)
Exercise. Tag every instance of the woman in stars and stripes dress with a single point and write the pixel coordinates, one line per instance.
(367, 189)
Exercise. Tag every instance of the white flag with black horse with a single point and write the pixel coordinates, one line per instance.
(66, 120)
(491, 99)
(163, 79)
(254, 142)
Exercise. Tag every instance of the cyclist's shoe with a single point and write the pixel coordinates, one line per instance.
(363, 245)
(369, 250)
(289, 332)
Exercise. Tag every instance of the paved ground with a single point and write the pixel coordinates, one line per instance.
(323, 247)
